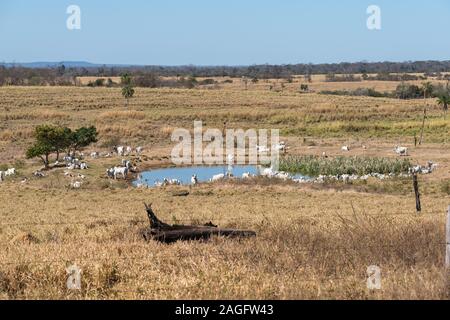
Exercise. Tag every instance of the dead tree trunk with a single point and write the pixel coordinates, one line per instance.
(163, 232)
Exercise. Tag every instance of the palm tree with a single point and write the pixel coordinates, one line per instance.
(125, 79)
(444, 101)
(427, 89)
(127, 93)
(127, 88)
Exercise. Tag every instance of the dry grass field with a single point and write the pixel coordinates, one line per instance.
(314, 241)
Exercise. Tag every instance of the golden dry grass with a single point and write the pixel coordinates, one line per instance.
(313, 242)
(310, 244)
(151, 110)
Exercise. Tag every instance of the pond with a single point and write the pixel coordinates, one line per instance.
(204, 174)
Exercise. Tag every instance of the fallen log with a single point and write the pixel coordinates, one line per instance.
(163, 232)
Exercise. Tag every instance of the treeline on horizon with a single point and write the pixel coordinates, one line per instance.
(60, 75)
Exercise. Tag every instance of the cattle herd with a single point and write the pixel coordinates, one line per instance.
(76, 161)
(126, 166)
(122, 170)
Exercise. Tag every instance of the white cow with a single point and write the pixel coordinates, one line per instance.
(114, 172)
(120, 150)
(280, 146)
(217, 177)
(194, 180)
(345, 148)
(128, 150)
(68, 159)
(139, 150)
(268, 172)
(401, 151)
(432, 166)
(283, 175)
(83, 166)
(76, 185)
(10, 172)
(95, 155)
(39, 174)
(247, 175)
(174, 182)
(160, 184)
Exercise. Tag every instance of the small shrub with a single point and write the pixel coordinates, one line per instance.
(304, 87)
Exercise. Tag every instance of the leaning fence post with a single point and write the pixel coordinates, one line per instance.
(447, 243)
(416, 191)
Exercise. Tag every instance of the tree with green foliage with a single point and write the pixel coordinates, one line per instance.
(61, 140)
(127, 87)
(54, 139)
(82, 138)
(39, 150)
(49, 139)
(444, 101)
(427, 89)
(407, 91)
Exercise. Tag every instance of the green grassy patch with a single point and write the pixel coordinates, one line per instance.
(314, 165)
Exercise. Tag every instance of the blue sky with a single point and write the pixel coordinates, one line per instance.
(219, 32)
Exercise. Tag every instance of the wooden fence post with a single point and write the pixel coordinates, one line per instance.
(423, 125)
(416, 191)
(447, 246)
